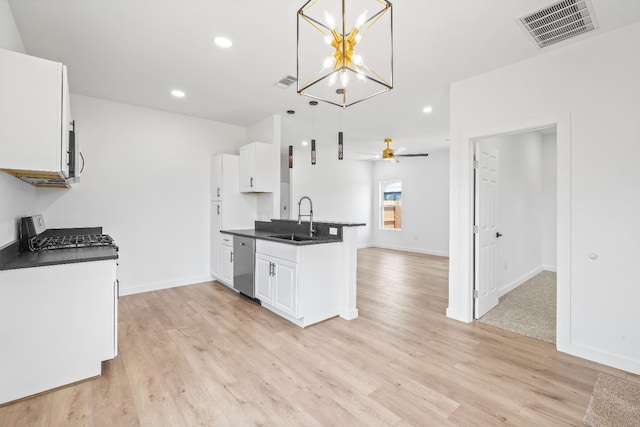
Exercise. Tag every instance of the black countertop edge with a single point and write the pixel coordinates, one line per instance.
(11, 258)
(343, 224)
(266, 235)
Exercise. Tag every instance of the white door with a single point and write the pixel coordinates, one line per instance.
(226, 265)
(286, 287)
(263, 282)
(486, 236)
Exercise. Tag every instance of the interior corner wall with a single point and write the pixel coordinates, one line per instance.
(9, 35)
(340, 189)
(147, 183)
(425, 204)
(519, 207)
(17, 199)
(590, 87)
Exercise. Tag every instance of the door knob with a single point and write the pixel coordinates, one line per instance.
(498, 235)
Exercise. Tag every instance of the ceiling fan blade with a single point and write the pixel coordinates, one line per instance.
(413, 155)
(399, 150)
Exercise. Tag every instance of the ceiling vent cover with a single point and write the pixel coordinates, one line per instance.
(286, 81)
(559, 21)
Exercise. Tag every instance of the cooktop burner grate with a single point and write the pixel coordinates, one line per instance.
(66, 242)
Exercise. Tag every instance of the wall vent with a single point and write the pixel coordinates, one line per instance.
(561, 20)
(286, 81)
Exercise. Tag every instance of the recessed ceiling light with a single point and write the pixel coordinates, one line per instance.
(222, 42)
(305, 143)
(427, 109)
(177, 93)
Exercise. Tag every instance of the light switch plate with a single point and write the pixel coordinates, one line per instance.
(333, 231)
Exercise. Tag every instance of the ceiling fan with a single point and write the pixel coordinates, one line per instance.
(390, 154)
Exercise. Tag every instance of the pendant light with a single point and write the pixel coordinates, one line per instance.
(291, 157)
(313, 128)
(348, 48)
(340, 141)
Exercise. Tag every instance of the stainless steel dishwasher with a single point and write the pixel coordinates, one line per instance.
(244, 255)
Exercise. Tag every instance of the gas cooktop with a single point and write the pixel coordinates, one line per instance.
(66, 242)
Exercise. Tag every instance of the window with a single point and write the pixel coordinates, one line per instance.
(391, 205)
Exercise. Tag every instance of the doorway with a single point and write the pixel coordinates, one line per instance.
(515, 237)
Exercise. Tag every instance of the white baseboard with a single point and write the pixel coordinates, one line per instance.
(164, 285)
(365, 245)
(519, 281)
(414, 250)
(603, 357)
(552, 268)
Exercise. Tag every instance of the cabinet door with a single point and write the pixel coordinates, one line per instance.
(215, 238)
(226, 264)
(264, 289)
(247, 168)
(31, 108)
(216, 178)
(285, 280)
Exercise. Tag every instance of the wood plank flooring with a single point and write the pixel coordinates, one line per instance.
(200, 355)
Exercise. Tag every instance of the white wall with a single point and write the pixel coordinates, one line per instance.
(340, 189)
(590, 88)
(17, 199)
(425, 203)
(147, 182)
(9, 36)
(523, 217)
(549, 205)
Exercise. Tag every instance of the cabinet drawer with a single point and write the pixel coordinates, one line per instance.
(278, 250)
(226, 240)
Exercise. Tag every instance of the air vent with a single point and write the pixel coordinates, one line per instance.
(286, 81)
(559, 21)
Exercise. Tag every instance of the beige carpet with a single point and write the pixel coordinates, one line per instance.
(529, 310)
(614, 402)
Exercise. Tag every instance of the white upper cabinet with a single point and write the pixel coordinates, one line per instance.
(256, 168)
(34, 107)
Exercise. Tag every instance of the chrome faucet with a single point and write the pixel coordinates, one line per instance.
(311, 230)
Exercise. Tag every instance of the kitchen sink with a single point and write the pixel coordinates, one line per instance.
(294, 237)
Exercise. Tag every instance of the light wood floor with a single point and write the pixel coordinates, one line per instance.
(200, 355)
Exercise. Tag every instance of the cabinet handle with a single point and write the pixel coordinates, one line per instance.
(218, 207)
(218, 192)
(230, 256)
(270, 269)
(251, 182)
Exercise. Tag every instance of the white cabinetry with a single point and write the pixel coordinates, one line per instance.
(57, 323)
(216, 179)
(257, 168)
(226, 260)
(215, 238)
(230, 210)
(299, 283)
(34, 107)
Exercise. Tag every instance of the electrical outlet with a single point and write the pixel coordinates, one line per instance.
(333, 231)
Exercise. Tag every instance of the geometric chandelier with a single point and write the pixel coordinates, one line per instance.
(345, 50)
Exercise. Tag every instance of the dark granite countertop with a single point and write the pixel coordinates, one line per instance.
(266, 235)
(339, 223)
(11, 258)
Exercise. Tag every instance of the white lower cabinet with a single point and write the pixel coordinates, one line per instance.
(57, 323)
(276, 282)
(226, 260)
(299, 283)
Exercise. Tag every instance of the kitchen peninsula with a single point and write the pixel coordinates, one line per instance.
(305, 277)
